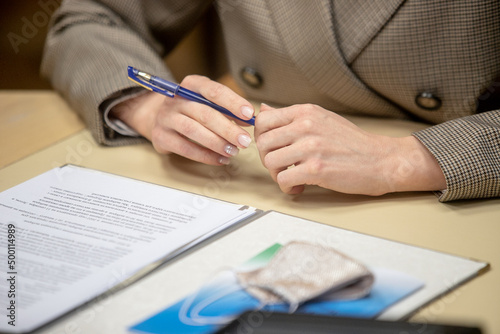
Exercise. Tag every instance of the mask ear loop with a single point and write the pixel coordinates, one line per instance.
(293, 307)
(191, 315)
(193, 318)
(245, 287)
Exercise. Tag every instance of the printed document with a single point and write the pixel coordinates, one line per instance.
(78, 232)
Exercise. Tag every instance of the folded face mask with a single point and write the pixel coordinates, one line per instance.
(301, 271)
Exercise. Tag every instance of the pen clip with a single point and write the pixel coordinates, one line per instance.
(146, 84)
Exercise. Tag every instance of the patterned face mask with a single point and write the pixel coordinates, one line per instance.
(301, 271)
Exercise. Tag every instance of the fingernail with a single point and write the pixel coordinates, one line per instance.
(224, 160)
(231, 150)
(244, 140)
(247, 111)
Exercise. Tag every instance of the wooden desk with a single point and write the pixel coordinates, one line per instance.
(31, 121)
(466, 228)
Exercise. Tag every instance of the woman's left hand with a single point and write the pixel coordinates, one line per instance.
(308, 145)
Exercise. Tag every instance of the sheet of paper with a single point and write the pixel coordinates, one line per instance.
(77, 232)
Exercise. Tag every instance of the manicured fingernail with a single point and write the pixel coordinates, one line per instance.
(244, 140)
(247, 111)
(224, 160)
(231, 150)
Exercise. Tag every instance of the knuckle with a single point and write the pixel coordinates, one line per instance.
(282, 180)
(263, 122)
(316, 166)
(261, 143)
(308, 108)
(158, 148)
(205, 115)
(311, 145)
(260, 146)
(215, 144)
(183, 149)
(157, 135)
(207, 157)
(306, 124)
(261, 157)
(268, 161)
(308, 111)
(191, 79)
(188, 80)
(216, 91)
(187, 127)
(159, 143)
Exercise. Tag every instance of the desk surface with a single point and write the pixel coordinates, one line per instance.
(30, 121)
(39, 131)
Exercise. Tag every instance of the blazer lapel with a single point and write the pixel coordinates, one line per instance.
(306, 30)
(357, 22)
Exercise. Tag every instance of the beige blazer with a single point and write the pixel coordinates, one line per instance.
(430, 61)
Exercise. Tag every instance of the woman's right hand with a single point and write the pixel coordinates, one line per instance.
(190, 129)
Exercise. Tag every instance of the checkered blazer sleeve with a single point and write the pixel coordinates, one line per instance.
(91, 43)
(468, 151)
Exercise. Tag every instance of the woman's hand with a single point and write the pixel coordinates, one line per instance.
(190, 129)
(306, 144)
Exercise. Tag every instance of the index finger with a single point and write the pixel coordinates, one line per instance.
(221, 95)
(270, 118)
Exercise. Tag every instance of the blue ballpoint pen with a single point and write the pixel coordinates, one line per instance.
(171, 89)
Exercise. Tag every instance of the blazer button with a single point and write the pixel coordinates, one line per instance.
(251, 77)
(428, 101)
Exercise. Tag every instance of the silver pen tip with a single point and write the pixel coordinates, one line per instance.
(144, 75)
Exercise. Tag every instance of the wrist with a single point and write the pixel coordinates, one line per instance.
(138, 112)
(414, 168)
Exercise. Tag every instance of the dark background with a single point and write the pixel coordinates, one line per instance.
(21, 70)
(200, 52)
